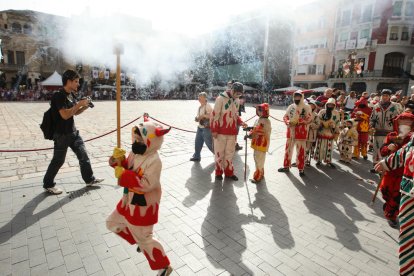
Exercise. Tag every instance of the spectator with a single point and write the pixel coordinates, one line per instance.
(203, 130)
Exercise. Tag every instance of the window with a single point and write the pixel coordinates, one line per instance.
(302, 70)
(393, 65)
(16, 27)
(366, 13)
(364, 33)
(10, 57)
(312, 70)
(396, 9)
(343, 37)
(394, 33)
(404, 33)
(320, 69)
(409, 8)
(20, 58)
(27, 29)
(346, 18)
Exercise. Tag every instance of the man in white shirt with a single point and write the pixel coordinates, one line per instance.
(203, 130)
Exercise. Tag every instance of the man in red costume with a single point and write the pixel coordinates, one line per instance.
(390, 185)
(224, 122)
(297, 118)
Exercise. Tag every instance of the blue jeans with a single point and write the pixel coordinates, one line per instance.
(203, 136)
(62, 143)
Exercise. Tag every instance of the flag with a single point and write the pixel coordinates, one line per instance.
(122, 77)
(94, 73)
(106, 74)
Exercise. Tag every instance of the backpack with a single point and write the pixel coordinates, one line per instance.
(47, 125)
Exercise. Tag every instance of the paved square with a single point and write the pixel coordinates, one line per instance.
(321, 224)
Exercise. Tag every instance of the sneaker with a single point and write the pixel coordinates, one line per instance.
(283, 170)
(294, 165)
(233, 177)
(219, 177)
(318, 163)
(365, 157)
(165, 271)
(138, 249)
(238, 147)
(95, 181)
(393, 223)
(195, 159)
(54, 190)
(331, 165)
(302, 173)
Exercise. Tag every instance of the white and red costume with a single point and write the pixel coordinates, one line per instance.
(297, 119)
(137, 211)
(312, 134)
(260, 135)
(328, 130)
(224, 122)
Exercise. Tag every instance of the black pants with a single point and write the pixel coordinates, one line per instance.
(62, 143)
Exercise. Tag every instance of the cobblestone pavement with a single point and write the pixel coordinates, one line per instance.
(321, 224)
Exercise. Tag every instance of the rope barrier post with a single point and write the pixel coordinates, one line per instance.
(118, 50)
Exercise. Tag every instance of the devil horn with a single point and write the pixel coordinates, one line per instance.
(159, 131)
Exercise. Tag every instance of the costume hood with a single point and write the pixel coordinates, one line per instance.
(152, 134)
(404, 118)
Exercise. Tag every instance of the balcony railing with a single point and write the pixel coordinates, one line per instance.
(365, 74)
(10, 67)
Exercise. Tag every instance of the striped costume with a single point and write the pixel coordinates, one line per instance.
(403, 158)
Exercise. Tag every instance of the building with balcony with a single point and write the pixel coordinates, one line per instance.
(312, 54)
(28, 48)
(373, 46)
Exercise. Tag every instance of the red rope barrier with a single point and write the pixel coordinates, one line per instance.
(186, 130)
(112, 131)
(41, 149)
(276, 119)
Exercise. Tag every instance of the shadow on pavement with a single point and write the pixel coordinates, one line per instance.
(199, 184)
(273, 216)
(19, 222)
(321, 206)
(223, 236)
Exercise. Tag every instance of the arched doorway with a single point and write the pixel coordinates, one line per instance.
(393, 65)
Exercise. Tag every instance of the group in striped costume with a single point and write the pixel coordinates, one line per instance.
(404, 158)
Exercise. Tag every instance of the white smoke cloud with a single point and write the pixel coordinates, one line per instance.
(147, 53)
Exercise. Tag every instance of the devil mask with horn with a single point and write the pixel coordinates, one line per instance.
(147, 137)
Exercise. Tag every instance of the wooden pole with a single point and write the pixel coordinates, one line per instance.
(118, 50)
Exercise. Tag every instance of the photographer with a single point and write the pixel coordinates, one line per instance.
(203, 130)
(64, 107)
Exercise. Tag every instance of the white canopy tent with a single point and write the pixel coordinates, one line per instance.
(54, 80)
(320, 89)
(290, 88)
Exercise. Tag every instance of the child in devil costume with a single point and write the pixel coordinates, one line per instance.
(137, 211)
(348, 137)
(260, 135)
(361, 115)
(390, 184)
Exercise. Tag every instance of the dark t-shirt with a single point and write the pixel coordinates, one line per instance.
(61, 100)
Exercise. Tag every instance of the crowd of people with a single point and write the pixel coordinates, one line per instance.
(382, 122)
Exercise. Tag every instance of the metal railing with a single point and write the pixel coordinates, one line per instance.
(364, 74)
